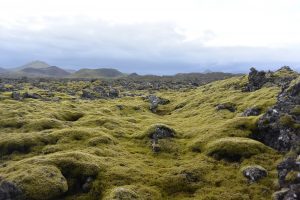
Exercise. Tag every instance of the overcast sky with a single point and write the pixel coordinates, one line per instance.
(153, 36)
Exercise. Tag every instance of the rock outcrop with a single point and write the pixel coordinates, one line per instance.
(279, 128)
(254, 173)
(10, 191)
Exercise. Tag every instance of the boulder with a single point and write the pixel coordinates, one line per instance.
(10, 191)
(155, 101)
(254, 173)
(256, 80)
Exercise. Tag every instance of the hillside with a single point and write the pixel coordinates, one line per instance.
(52, 71)
(201, 143)
(34, 65)
(97, 73)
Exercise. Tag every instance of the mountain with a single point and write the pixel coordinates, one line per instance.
(97, 73)
(52, 71)
(35, 65)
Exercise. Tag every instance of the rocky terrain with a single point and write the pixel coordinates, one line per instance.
(194, 136)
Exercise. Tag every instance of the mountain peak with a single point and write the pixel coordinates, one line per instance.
(35, 64)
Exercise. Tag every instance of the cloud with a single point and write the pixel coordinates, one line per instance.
(163, 48)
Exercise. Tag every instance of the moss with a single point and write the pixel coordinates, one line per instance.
(234, 148)
(113, 146)
(104, 139)
(41, 182)
(11, 123)
(289, 121)
(296, 110)
(42, 124)
(131, 192)
(68, 115)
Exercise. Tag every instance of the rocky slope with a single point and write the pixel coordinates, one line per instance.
(207, 142)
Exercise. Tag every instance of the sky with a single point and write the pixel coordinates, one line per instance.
(151, 36)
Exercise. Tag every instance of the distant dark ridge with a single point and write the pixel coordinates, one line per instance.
(97, 73)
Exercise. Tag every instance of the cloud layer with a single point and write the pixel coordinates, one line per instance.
(148, 47)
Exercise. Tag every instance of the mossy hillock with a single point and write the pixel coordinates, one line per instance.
(71, 147)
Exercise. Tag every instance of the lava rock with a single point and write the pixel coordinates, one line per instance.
(9, 191)
(27, 95)
(87, 186)
(256, 80)
(113, 93)
(254, 173)
(155, 101)
(16, 96)
(251, 112)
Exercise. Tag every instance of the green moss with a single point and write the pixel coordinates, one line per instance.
(288, 120)
(104, 139)
(234, 148)
(41, 182)
(97, 139)
(296, 110)
(68, 115)
(11, 123)
(42, 124)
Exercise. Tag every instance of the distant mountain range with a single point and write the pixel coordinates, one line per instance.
(42, 69)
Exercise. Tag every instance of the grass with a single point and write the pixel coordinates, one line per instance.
(74, 139)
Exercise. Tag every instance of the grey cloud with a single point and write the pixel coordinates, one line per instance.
(143, 48)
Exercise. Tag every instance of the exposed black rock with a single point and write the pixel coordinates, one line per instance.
(16, 96)
(160, 132)
(27, 95)
(155, 101)
(254, 173)
(87, 186)
(251, 112)
(113, 93)
(9, 191)
(278, 127)
(256, 80)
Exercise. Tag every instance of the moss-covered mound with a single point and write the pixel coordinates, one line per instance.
(40, 182)
(234, 148)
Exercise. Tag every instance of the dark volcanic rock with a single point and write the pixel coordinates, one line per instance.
(251, 112)
(113, 93)
(16, 96)
(256, 80)
(254, 173)
(155, 101)
(278, 127)
(9, 191)
(157, 132)
(27, 95)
